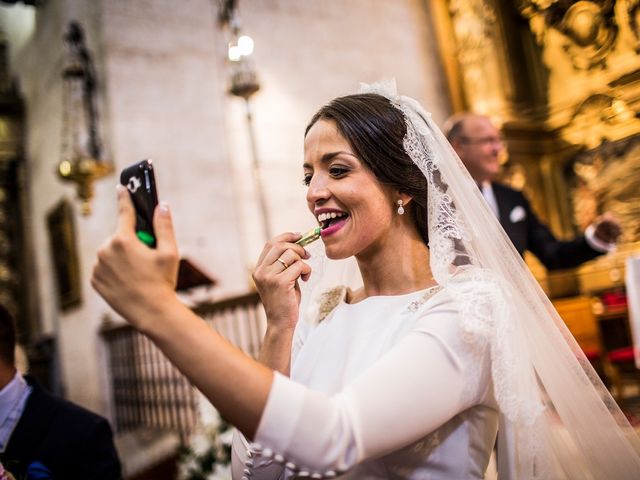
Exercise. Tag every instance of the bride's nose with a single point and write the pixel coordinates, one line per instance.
(317, 191)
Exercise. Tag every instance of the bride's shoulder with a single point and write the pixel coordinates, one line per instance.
(435, 310)
(323, 305)
(468, 306)
(438, 298)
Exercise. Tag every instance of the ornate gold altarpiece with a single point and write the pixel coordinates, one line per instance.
(563, 79)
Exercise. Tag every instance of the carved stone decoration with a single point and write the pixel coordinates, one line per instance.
(607, 178)
(475, 27)
(598, 119)
(589, 27)
(633, 13)
(592, 31)
(473, 21)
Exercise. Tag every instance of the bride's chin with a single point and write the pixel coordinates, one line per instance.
(333, 254)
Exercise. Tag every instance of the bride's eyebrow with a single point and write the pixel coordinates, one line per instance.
(327, 157)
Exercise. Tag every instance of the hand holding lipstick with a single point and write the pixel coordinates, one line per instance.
(276, 275)
(279, 266)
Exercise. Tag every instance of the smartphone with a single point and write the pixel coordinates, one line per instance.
(141, 183)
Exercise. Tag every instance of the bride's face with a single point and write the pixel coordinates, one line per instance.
(353, 207)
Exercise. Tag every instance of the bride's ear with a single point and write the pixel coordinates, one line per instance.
(406, 199)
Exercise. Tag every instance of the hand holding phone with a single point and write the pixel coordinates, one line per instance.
(141, 184)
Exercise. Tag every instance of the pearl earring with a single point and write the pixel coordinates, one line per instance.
(400, 207)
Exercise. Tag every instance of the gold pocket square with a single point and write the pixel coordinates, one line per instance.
(517, 214)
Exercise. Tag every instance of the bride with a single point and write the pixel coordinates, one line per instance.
(399, 345)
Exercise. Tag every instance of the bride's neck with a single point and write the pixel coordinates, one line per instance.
(401, 269)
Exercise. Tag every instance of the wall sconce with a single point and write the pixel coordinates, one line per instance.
(244, 80)
(244, 83)
(82, 162)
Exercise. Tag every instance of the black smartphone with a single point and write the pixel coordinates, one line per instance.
(141, 183)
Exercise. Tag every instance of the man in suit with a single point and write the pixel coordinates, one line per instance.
(479, 145)
(42, 436)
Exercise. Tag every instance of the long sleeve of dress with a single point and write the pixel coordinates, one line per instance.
(410, 391)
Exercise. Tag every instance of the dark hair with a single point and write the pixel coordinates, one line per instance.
(375, 129)
(453, 126)
(7, 337)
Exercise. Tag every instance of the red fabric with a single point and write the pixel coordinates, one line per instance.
(591, 355)
(621, 355)
(614, 299)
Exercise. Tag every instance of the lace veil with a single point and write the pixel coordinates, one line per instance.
(557, 420)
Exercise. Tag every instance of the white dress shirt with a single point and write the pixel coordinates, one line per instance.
(490, 197)
(13, 398)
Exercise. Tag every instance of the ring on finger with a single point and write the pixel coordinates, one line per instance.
(284, 264)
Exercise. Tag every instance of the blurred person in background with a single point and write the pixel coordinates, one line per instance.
(42, 436)
(479, 145)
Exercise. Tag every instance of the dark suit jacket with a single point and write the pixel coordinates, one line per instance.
(71, 442)
(528, 233)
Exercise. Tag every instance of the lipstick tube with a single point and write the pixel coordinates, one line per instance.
(311, 236)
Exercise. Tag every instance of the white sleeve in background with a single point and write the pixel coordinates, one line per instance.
(409, 392)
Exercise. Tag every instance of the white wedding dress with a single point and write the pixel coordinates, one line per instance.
(413, 387)
(384, 388)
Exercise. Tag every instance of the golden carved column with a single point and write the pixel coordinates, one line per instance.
(467, 30)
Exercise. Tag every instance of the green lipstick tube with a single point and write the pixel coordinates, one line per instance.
(311, 236)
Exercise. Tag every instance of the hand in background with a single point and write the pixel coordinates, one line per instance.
(134, 279)
(607, 228)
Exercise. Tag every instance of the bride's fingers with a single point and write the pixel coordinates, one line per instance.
(289, 252)
(126, 214)
(285, 260)
(283, 269)
(288, 237)
(298, 269)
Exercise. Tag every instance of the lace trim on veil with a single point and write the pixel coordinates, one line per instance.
(479, 293)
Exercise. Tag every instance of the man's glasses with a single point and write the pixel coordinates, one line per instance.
(483, 140)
